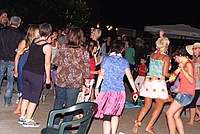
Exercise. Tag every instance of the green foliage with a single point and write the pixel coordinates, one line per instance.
(60, 13)
(77, 14)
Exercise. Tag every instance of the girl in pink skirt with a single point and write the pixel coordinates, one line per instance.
(111, 97)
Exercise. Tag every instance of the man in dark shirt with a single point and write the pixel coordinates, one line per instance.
(10, 38)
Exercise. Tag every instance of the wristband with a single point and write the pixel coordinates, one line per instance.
(97, 89)
(135, 93)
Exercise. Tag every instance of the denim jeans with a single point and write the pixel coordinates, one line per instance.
(21, 63)
(184, 99)
(67, 96)
(9, 67)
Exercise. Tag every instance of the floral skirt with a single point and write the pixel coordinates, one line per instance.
(154, 87)
(110, 103)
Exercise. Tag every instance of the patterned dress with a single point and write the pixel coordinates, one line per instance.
(111, 99)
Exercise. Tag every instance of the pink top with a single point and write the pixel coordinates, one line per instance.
(185, 86)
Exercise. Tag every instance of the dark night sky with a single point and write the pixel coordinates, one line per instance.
(137, 14)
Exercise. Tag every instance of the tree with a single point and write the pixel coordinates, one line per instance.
(77, 14)
(61, 13)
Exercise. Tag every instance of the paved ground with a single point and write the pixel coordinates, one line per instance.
(9, 125)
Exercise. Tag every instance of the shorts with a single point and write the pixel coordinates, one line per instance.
(32, 85)
(184, 99)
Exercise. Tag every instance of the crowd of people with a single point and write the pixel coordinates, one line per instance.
(40, 50)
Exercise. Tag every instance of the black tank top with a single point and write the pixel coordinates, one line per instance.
(36, 59)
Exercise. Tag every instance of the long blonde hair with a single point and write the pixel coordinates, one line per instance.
(30, 35)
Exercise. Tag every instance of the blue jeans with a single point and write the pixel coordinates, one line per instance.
(21, 63)
(9, 67)
(67, 96)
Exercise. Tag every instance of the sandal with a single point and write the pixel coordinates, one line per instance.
(17, 113)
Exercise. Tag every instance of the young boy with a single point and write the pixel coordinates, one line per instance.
(142, 69)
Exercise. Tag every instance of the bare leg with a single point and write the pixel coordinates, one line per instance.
(24, 107)
(106, 127)
(30, 110)
(157, 109)
(18, 108)
(142, 113)
(92, 95)
(198, 113)
(173, 108)
(192, 116)
(114, 124)
(179, 123)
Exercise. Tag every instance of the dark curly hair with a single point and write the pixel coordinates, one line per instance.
(179, 51)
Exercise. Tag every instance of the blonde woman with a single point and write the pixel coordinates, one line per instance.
(20, 59)
(194, 50)
(154, 86)
(37, 64)
(95, 34)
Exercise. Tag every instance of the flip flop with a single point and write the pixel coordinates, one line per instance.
(17, 113)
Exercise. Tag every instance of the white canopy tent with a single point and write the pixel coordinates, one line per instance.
(178, 31)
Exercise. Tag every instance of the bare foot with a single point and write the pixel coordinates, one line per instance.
(150, 130)
(190, 123)
(135, 128)
(197, 119)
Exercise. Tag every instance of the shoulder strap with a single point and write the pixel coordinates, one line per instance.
(151, 55)
(40, 41)
(164, 57)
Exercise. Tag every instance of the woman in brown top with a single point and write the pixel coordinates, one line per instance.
(73, 64)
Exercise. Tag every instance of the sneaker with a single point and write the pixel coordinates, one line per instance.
(21, 120)
(17, 101)
(8, 105)
(30, 123)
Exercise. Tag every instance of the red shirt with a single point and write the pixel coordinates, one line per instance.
(92, 66)
(143, 68)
